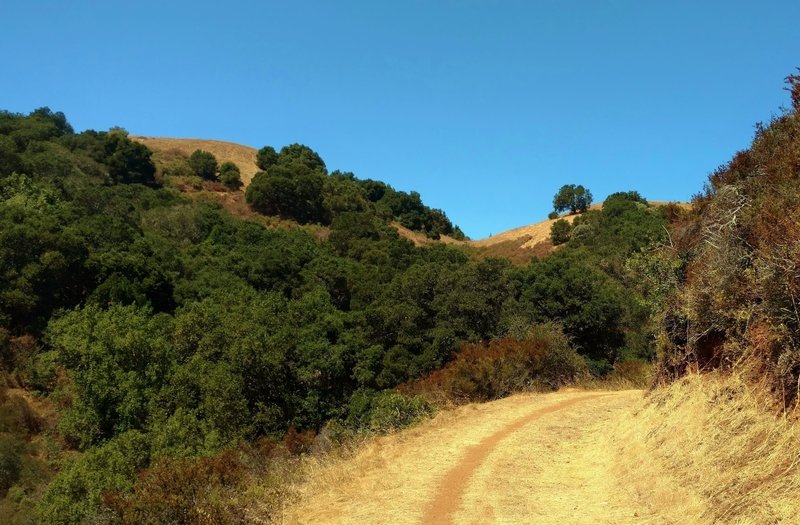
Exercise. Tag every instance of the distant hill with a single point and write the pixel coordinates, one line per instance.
(519, 244)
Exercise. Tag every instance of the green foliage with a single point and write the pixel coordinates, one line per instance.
(391, 411)
(552, 215)
(74, 496)
(266, 158)
(230, 175)
(203, 164)
(166, 330)
(560, 232)
(573, 198)
(295, 184)
(119, 358)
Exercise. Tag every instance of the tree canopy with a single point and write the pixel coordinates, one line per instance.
(573, 198)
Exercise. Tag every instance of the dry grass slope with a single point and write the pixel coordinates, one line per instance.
(242, 156)
(719, 435)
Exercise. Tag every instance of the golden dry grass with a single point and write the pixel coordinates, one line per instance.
(243, 156)
(541, 466)
(720, 436)
(420, 239)
(704, 450)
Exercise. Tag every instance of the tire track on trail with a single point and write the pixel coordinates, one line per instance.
(452, 487)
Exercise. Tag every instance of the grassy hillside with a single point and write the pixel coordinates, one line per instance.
(167, 149)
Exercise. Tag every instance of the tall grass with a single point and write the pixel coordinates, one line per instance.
(720, 437)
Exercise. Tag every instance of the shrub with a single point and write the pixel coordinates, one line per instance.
(486, 371)
(203, 164)
(560, 232)
(392, 410)
(177, 168)
(17, 417)
(74, 496)
(552, 215)
(199, 490)
(11, 448)
(230, 175)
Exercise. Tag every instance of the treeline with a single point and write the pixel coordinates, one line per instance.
(729, 285)
(163, 328)
(294, 183)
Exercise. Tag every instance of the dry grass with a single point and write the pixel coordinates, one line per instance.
(243, 156)
(561, 466)
(721, 438)
(420, 239)
(706, 449)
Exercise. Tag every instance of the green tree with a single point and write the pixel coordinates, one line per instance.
(266, 158)
(573, 198)
(560, 232)
(230, 175)
(128, 161)
(120, 358)
(203, 164)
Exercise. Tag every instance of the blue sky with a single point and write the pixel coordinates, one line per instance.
(484, 107)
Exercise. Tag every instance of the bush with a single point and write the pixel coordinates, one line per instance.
(486, 371)
(177, 168)
(560, 232)
(75, 495)
(392, 410)
(552, 215)
(11, 448)
(199, 490)
(230, 175)
(203, 164)
(17, 417)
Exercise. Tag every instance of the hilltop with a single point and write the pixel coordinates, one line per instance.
(519, 245)
(168, 148)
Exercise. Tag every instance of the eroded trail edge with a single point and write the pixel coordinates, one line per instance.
(451, 488)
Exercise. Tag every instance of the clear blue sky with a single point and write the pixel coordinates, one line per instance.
(484, 107)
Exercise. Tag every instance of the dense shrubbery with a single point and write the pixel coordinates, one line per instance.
(736, 264)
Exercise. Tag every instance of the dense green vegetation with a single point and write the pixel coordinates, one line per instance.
(294, 183)
(165, 330)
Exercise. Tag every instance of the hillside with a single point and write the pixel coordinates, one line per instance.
(243, 156)
(519, 245)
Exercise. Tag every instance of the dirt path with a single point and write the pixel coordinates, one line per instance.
(546, 459)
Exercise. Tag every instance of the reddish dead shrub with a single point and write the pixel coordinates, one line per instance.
(485, 371)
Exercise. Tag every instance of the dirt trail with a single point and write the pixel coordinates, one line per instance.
(546, 459)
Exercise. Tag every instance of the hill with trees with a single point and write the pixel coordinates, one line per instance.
(158, 327)
(151, 337)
